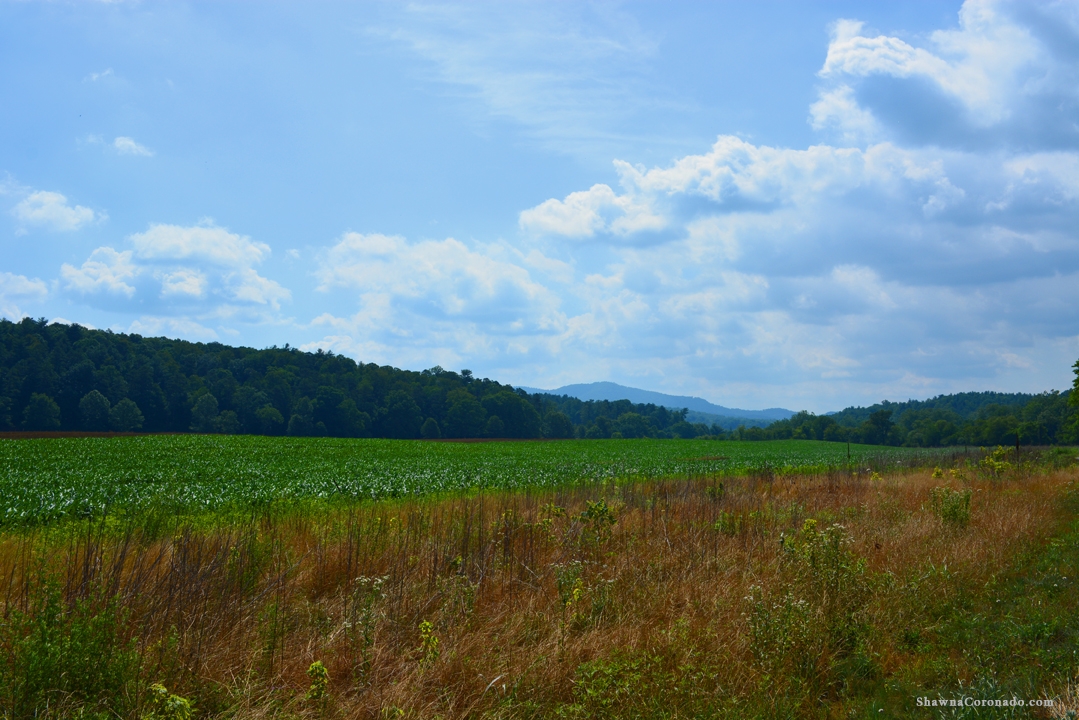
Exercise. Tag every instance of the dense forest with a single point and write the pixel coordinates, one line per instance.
(981, 419)
(67, 377)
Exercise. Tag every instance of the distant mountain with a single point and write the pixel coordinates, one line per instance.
(614, 391)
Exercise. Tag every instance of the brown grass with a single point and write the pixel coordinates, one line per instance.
(235, 616)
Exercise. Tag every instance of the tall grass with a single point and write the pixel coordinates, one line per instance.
(756, 596)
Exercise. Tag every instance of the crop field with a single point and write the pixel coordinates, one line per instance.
(47, 479)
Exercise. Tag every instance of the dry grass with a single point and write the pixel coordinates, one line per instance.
(522, 589)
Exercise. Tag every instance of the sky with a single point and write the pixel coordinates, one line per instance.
(807, 205)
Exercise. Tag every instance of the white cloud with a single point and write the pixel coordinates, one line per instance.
(106, 270)
(51, 211)
(979, 64)
(583, 214)
(128, 146)
(18, 289)
(183, 281)
(202, 269)
(439, 278)
(204, 242)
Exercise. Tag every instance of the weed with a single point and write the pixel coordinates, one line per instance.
(429, 642)
(167, 706)
(320, 681)
(951, 506)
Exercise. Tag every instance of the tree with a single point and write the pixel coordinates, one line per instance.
(125, 416)
(94, 410)
(557, 425)
(519, 418)
(495, 427)
(227, 422)
(269, 420)
(42, 413)
(466, 417)
(203, 413)
(430, 430)
(402, 418)
(632, 425)
(300, 423)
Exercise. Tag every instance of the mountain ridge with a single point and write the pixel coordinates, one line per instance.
(605, 390)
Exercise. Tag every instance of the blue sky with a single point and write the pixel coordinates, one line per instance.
(808, 205)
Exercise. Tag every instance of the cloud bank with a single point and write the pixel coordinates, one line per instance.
(926, 244)
(201, 272)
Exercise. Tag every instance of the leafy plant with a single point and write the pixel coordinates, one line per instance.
(951, 506)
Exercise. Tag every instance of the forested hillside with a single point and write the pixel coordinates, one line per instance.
(66, 377)
(983, 419)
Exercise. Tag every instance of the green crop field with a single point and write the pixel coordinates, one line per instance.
(45, 479)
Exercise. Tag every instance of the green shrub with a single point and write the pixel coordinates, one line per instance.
(74, 656)
(951, 506)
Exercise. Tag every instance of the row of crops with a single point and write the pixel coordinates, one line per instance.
(46, 479)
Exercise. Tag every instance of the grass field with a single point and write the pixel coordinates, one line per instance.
(45, 479)
(771, 583)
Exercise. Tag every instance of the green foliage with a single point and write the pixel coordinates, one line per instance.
(70, 655)
(320, 681)
(125, 416)
(204, 414)
(167, 706)
(979, 419)
(951, 506)
(94, 410)
(806, 635)
(45, 479)
(42, 413)
(430, 430)
(429, 643)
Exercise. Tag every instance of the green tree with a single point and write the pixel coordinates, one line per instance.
(466, 417)
(402, 417)
(42, 413)
(632, 425)
(269, 420)
(301, 423)
(125, 416)
(519, 418)
(495, 427)
(227, 422)
(203, 413)
(557, 425)
(94, 410)
(430, 430)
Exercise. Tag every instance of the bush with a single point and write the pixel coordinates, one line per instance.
(41, 414)
(125, 416)
(94, 409)
(951, 506)
(71, 655)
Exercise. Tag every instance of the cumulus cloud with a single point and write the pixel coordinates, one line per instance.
(439, 279)
(19, 289)
(879, 262)
(50, 210)
(128, 146)
(205, 242)
(1005, 76)
(202, 268)
(106, 270)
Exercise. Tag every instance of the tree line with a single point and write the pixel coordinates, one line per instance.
(980, 419)
(68, 377)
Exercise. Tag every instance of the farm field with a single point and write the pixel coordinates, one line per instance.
(708, 579)
(49, 478)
